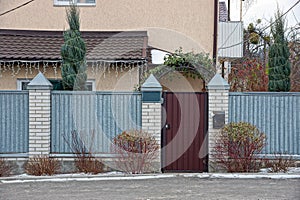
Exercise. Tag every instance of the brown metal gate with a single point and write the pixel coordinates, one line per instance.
(185, 122)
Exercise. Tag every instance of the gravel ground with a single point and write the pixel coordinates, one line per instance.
(178, 187)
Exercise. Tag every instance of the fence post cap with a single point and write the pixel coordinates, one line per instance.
(40, 82)
(217, 82)
(151, 84)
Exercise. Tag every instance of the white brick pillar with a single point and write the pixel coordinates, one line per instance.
(218, 92)
(151, 113)
(39, 115)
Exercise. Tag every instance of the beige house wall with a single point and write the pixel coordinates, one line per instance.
(103, 81)
(170, 23)
(176, 82)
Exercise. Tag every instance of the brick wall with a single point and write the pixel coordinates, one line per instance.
(151, 122)
(39, 122)
(218, 94)
(151, 119)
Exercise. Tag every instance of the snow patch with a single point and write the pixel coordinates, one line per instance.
(95, 178)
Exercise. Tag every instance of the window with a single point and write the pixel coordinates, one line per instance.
(57, 84)
(77, 2)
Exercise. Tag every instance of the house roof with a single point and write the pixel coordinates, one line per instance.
(223, 12)
(46, 45)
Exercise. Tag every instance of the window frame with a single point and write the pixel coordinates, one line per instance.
(21, 81)
(67, 3)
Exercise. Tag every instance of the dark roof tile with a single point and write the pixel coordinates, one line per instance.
(223, 13)
(46, 45)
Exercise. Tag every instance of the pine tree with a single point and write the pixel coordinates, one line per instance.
(279, 64)
(73, 52)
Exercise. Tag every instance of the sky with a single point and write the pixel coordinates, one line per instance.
(264, 9)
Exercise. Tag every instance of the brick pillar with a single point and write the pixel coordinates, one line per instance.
(39, 115)
(151, 113)
(218, 92)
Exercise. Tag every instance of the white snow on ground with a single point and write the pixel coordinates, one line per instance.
(118, 176)
(250, 176)
(85, 178)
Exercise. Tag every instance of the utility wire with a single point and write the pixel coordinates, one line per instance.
(24, 4)
(265, 27)
(295, 17)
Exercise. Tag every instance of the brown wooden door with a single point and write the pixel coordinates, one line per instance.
(184, 129)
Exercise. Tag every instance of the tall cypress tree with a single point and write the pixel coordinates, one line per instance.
(73, 52)
(279, 64)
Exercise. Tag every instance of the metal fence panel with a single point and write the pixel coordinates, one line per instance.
(230, 39)
(97, 117)
(14, 116)
(276, 114)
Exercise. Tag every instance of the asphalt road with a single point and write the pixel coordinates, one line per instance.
(166, 188)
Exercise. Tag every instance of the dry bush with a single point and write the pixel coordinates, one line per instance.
(88, 164)
(84, 161)
(237, 146)
(280, 163)
(42, 165)
(136, 150)
(5, 168)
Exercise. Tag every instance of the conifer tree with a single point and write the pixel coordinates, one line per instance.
(73, 52)
(279, 64)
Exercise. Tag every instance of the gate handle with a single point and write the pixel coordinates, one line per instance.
(167, 126)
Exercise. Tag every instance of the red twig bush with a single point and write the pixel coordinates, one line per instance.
(236, 147)
(136, 150)
(5, 168)
(42, 165)
(249, 75)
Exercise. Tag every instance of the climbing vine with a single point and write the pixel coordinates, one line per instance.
(194, 65)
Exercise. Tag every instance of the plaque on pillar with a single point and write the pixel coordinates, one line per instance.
(218, 119)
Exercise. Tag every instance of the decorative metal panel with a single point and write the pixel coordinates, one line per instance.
(96, 116)
(14, 120)
(230, 39)
(276, 114)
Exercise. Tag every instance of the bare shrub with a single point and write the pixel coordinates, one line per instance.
(237, 145)
(5, 168)
(42, 165)
(89, 164)
(136, 150)
(85, 161)
(280, 163)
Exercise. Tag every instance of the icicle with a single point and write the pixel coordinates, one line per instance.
(104, 67)
(38, 67)
(55, 70)
(97, 67)
(45, 65)
(93, 69)
(109, 68)
(0, 69)
(117, 73)
(26, 70)
(30, 68)
(12, 69)
(4, 66)
(19, 69)
(122, 65)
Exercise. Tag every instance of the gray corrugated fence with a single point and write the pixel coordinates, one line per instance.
(97, 116)
(14, 116)
(276, 114)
